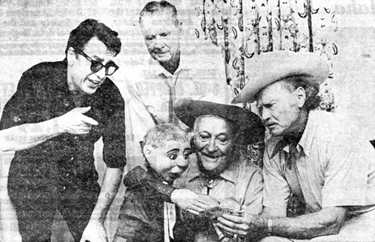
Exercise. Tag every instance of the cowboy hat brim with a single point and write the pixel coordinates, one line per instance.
(250, 126)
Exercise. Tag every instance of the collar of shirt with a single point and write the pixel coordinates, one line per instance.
(229, 174)
(305, 142)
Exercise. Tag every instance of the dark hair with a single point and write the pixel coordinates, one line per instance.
(155, 7)
(311, 88)
(92, 28)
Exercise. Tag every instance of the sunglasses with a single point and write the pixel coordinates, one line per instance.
(96, 65)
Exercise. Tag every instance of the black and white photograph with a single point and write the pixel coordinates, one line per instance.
(187, 121)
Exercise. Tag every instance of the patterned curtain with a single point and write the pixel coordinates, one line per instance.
(244, 29)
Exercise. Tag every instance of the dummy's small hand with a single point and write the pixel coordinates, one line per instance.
(75, 122)
(192, 202)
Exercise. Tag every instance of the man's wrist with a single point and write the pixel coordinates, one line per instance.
(96, 220)
(266, 225)
(56, 126)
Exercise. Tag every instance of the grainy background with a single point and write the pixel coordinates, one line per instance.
(37, 30)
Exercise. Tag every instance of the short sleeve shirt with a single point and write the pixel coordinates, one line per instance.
(333, 166)
(42, 94)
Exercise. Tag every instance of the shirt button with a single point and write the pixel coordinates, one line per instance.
(16, 119)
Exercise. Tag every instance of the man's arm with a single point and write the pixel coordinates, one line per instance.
(183, 198)
(29, 135)
(95, 231)
(327, 221)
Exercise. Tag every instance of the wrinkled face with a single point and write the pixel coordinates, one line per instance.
(214, 142)
(80, 76)
(279, 108)
(162, 36)
(170, 161)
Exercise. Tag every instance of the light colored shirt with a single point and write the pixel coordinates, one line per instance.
(332, 166)
(239, 188)
(200, 75)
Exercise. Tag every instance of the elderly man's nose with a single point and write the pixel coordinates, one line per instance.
(158, 42)
(265, 114)
(211, 146)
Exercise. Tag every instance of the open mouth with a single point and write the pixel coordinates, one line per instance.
(174, 176)
(211, 156)
(94, 83)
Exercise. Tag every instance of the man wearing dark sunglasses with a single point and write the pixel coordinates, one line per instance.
(59, 111)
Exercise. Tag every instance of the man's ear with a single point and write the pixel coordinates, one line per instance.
(301, 96)
(71, 56)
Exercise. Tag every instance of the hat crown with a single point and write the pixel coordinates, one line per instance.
(271, 67)
(250, 126)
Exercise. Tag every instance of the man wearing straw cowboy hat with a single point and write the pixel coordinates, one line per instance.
(217, 168)
(314, 154)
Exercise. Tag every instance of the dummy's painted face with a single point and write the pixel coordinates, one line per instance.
(170, 161)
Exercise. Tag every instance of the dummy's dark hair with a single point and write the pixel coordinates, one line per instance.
(92, 28)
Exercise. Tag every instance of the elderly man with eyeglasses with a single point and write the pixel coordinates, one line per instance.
(59, 111)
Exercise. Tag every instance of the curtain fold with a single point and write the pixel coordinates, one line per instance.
(244, 29)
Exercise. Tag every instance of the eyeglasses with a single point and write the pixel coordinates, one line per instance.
(96, 65)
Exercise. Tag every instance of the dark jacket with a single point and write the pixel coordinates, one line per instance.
(141, 215)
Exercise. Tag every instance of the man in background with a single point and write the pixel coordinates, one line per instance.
(175, 68)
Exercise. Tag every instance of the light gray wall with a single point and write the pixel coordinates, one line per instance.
(36, 31)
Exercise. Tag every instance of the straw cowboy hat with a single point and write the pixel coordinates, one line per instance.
(271, 67)
(250, 127)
